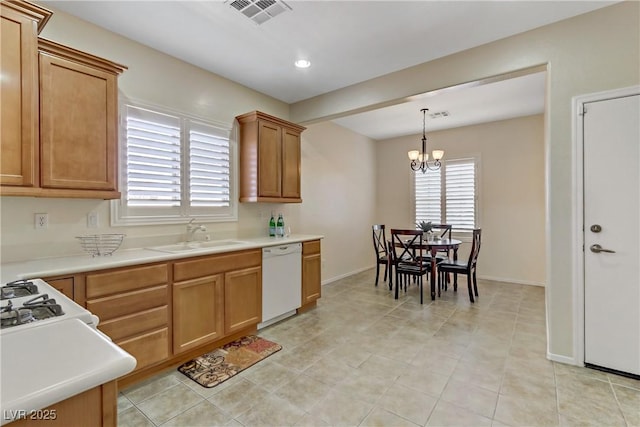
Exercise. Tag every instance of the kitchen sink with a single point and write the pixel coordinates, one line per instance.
(197, 246)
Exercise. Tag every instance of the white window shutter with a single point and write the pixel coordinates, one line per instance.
(449, 201)
(460, 193)
(153, 157)
(428, 189)
(209, 166)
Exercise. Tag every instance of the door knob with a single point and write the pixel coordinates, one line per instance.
(596, 249)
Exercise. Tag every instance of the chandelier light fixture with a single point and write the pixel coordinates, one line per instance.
(420, 159)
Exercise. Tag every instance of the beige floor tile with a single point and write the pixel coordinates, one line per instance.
(328, 371)
(408, 403)
(123, 403)
(381, 418)
(299, 359)
(339, 409)
(446, 414)
(350, 354)
(528, 386)
(203, 414)
(169, 403)
(150, 387)
(309, 420)
(303, 392)
(384, 368)
(424, 381)
(363, 386)
(475, 399)
(487, 375)
(269, 376)
(238, 398)
(624, 381)
(271, 410)
(526, 412)
(132, 417)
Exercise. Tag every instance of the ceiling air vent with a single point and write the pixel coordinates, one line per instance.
(439, 114)
(259, 11)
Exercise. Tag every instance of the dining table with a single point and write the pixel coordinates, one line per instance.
(433, 246)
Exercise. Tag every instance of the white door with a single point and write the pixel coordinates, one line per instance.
(612, 223)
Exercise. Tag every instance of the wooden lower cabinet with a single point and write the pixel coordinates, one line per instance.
(63, 284)
(133, 305)
(96, 407)
(242, 299)
(198, 307)
(311, 271)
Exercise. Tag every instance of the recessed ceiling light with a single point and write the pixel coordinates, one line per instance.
(302, 63)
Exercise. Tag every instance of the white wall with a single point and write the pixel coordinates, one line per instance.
(511, 192)
(589, 53)
(338, 196)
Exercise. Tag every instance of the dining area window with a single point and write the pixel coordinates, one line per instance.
(448, 195)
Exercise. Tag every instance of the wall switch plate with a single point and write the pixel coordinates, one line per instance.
(41, 221)
(92, 219)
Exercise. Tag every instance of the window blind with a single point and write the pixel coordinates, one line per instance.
(428, 189)
(153, 158)
(448, 195)
(460, 193)
(209, 171)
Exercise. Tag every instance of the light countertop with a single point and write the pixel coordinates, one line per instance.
(46, 267)
(46, 364)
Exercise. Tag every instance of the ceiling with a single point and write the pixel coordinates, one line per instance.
(347, 42)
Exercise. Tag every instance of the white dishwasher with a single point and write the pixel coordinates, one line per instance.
(281, 282)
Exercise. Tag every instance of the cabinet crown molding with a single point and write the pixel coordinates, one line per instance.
(66, 52)
(256, 115)
(38, 13)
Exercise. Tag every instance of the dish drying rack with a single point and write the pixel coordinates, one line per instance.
(100, 244)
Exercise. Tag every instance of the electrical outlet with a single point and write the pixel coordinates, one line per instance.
(41, 221)
(92, 219)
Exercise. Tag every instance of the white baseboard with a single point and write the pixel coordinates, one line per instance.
(342, 276)
(516, 281)
(562, 359)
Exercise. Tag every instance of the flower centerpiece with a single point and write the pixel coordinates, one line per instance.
(426, 227)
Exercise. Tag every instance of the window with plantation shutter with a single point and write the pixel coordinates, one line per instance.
(448, 195)
(209, 166)
(153, 159)
(428, 190)
(173, 167)
(460, 194)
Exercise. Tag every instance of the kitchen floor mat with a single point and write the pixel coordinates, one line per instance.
(223, 363)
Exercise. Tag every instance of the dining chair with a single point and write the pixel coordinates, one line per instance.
(443, 231)
(407, 257)
(381, 250)
(462, 267)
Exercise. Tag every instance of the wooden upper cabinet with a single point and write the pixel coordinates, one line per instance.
(59, 111)
(78, 120)
(269, 159)
(19, 27)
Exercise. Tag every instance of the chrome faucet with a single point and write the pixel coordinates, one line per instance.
(192, 228)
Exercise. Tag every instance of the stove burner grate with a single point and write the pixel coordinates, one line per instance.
(38, 308)
(18, 288)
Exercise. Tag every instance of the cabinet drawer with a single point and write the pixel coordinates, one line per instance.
(129, 303)
(212, 265)
(312, 247)
(129, 279)
(133, 324)
(149, 348)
